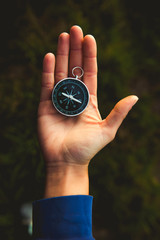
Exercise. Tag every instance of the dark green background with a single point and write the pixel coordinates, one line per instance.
(124, 177)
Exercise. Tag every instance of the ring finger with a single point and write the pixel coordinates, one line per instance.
(62, 56)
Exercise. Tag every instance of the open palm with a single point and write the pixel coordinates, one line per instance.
(75, 140)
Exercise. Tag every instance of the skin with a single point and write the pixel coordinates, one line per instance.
(69, 143)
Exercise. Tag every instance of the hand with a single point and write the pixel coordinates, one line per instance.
(69, 143)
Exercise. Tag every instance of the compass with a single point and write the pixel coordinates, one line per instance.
(70, 96)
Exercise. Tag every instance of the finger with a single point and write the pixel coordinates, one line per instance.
(47, 77)
(62, 57)
(76, 38)
(90, 63)
(117, 115)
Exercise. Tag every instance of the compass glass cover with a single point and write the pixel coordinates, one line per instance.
(70, 96)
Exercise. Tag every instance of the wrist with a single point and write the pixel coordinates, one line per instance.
(66, 180)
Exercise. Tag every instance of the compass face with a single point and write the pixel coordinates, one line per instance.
(70, 97)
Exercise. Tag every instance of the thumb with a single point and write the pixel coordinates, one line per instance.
(119, 112)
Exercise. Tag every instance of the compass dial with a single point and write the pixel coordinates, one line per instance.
(70, 97)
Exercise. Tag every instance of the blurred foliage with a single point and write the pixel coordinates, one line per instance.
(124, 177)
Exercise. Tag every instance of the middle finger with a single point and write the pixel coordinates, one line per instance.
(76, 39)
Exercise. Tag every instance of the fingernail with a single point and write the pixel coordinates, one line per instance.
(135, 99)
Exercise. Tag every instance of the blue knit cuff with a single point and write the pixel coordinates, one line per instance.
(67, 217)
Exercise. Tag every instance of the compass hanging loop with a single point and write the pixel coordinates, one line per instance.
(76, 76)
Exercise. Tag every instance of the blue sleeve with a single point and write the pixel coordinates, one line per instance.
(68, 217)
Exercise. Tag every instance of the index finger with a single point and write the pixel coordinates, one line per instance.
(90, 63)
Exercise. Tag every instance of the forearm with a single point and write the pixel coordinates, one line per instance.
(66, 210)
(66, 180)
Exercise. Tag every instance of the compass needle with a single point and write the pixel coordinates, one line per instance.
(76, 100)
(64, 94)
